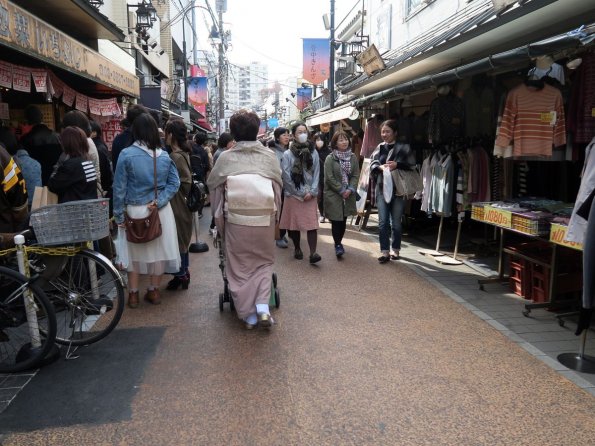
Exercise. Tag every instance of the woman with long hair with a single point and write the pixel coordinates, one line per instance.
(280, 145)
(134, 194)
(176, 139)
(321, 144)
(301, 173)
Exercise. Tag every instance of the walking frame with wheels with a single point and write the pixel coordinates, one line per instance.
(225, 296)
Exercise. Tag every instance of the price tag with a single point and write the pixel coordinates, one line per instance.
(498, 217)
(558, 236)
(549, 118)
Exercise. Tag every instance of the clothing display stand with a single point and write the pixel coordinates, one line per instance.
(434, 252)
(448, 260)
(579, 361)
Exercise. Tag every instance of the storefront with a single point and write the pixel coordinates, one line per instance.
(500, 143)
(42, 65)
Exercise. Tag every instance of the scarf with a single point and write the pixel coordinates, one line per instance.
(303, 161)
(345, 164)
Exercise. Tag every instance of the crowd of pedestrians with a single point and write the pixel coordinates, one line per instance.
(257, 192)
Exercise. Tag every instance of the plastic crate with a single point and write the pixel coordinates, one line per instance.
(72, 222)
(520, 278)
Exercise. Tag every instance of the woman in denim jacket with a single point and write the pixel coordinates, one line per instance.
(134, 194)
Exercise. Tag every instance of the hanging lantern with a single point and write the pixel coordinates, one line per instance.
(143, 17)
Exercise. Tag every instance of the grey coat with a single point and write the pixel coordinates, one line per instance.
(335, 207)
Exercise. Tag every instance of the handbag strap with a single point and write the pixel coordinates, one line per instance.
(155, 174)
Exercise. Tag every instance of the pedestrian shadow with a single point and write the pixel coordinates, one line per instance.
(97, 388)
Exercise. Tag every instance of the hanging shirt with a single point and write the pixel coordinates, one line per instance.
(371, 138)
(447, 118)
(581, 110)
(533, 120)
(578, 225)
(443, 186)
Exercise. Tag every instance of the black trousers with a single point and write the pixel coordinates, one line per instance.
(338, 228)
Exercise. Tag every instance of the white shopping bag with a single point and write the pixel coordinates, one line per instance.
(387, 185)
(122, 255)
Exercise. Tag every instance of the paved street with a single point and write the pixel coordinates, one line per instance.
(363, 354)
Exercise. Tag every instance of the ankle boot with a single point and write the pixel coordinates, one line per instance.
(133, 299)
(153, 297)
(178, 281)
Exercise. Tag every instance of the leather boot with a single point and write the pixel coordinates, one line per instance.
(153, 297)
(133, 299)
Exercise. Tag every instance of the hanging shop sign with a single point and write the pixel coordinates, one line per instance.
(370, 60)
(304, 97)
(21, 79)
(5, 75)
(26, 33)
(110, 130)
(40, 80)
(316, 60)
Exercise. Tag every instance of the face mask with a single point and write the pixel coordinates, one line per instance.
(302, 138)
(319, 144)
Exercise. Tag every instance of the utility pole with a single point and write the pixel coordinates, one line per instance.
(194, 48)
(332, 61)
(222, 71)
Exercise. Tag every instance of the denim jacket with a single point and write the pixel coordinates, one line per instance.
(311, 178)
(133, 180)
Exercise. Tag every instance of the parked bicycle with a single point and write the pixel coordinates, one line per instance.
(83, 286)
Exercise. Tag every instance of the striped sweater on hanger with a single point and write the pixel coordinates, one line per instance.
(533, 121)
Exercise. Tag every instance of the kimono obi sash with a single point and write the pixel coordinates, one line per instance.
(250, 200)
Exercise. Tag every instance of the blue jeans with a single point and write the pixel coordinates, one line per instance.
(185, 257)
(389, 214)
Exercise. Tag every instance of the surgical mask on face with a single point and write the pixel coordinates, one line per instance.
(319, 144)
(302, 138)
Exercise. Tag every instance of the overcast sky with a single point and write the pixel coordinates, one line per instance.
(271, 31)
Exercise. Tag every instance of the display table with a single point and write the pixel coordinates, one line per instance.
(525, 224)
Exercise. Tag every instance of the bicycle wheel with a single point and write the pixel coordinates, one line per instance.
(88, 296)
(27, 323)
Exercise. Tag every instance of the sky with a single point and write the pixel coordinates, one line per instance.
(271, 31)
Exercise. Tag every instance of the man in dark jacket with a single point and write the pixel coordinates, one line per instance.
(42, 143)
(199, 159)
(125, 138)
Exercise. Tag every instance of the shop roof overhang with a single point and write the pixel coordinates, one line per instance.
(507, 59)
(482, 35)
(335, 114)
(75, 17)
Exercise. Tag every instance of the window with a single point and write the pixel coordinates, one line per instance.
(415, 5)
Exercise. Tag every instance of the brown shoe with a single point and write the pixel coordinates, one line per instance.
(153, 296)
(133, 299)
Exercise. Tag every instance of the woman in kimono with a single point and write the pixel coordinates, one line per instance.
(245, 186)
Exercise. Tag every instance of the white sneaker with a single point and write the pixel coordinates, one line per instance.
(322, 219)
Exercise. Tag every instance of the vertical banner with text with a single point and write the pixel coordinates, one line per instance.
(316, 60)
(198, 91)
(304, 97)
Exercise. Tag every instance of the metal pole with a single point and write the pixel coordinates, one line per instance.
(185, 62)
(221, 73)
(332, 61)
(194, 47)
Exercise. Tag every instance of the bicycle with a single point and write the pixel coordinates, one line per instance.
(86, 290)
(27, 322)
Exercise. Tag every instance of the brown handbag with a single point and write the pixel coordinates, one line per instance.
(143, 230)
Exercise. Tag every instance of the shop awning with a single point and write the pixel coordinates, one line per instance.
(512, 59)
(78, 16)
(472, 34)
(42, 41)
(336, 114)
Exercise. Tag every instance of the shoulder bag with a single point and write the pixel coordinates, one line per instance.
(197, 196)
(143, 230)
(407, 182)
